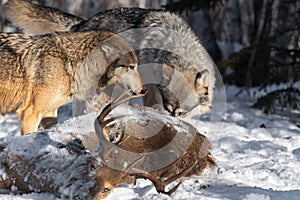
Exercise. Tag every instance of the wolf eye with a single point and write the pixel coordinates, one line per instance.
(131, 66)
(203, 100)
(180, 112)
(105, 190)
(206, 92)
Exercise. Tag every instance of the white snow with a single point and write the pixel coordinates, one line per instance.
(258, 157)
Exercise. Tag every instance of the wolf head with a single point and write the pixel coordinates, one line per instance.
(112, 62)
(122, 65)
(186, 90)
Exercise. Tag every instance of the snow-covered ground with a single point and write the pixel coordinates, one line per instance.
(258, 158)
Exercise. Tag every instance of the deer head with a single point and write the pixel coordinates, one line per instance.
(192, 160)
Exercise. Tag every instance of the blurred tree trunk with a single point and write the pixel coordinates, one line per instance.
(234, 28)
(1, 18)
(247, 21)
(108, 4)
(294, 41)
(297, 43)
(258, 66)
(282, 39)
(297, 17)
(76, 7)
(151, 4)
(94, 7)
(201, 24)
(145, 4)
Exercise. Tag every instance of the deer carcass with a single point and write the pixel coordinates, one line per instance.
(147, 144)
(137, 142)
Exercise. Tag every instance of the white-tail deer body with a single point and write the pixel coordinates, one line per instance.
(133, 154)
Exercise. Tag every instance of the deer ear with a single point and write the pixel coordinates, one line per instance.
(202, 79)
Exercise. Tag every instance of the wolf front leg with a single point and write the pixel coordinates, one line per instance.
(153, 98)
(29, 120)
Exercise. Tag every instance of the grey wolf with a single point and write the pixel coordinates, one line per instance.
(40, 73)
(158, 36)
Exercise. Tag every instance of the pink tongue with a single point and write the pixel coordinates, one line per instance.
(141, 95)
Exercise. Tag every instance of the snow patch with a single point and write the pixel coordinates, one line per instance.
(258, 156)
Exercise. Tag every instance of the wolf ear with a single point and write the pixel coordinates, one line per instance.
(202, 79)
(107, 49)
(110, 53)
(168, 72)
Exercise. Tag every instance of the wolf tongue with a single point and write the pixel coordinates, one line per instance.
(140, 95)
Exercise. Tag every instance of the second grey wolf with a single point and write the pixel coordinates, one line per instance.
(158, 36)
(40, 73)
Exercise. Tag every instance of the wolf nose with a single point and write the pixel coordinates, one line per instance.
(143, 91)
